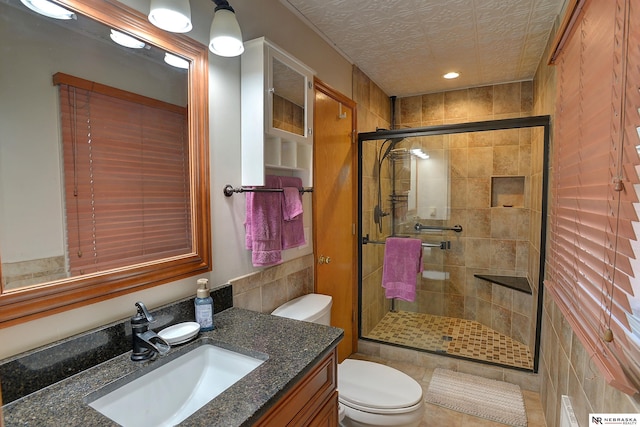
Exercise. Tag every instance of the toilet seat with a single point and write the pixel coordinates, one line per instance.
(375, 388)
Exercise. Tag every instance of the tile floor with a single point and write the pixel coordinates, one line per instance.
(437, 416)
(460, 337)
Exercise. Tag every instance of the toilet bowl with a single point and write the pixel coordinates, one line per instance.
(378, 395)
(369, 394)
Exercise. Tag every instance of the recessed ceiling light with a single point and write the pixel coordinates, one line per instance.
(176, 61)
(126, 40)
(46, 8)
(451, 75)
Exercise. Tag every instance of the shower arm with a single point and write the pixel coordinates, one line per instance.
(419, 227)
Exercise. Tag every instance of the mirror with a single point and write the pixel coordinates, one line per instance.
(288, 98)
(33, 234)
(428, 185)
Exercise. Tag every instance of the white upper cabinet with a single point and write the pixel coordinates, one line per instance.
(277, 114)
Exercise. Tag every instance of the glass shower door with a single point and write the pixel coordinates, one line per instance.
(473, 194)
(405, 193)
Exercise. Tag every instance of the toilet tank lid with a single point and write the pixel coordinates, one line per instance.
(304, 307)
(376, 386)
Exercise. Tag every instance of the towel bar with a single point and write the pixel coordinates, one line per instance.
(419, 227)
(442, 245)
(230, 190)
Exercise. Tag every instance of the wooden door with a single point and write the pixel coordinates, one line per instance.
(335, 209)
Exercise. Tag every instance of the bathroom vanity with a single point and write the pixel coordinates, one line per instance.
(295, 384)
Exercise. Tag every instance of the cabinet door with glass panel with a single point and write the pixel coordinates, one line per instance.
(277, 113)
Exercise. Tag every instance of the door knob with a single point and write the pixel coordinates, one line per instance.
(324, 260)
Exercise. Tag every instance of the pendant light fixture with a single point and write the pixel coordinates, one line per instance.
(171, 15)
(225, 37)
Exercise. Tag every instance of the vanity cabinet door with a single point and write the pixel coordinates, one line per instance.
(277, 113)
(313, 401)
(327, 417)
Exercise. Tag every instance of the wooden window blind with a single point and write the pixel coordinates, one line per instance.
(126, 173)
(595, 171)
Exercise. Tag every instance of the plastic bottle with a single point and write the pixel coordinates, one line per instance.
(204, 306)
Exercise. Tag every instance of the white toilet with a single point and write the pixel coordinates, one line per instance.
(314, 308)
(370, 394)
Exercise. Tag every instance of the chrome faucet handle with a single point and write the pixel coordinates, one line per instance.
(143, 315)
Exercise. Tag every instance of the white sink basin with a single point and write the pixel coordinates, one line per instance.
(172, 392)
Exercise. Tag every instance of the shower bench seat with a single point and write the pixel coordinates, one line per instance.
(513, 282)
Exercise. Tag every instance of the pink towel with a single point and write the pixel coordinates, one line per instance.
(402, 263)
(263, 225)
(291, 203)
(293, 229)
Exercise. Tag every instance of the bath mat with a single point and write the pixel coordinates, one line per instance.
(481, 397)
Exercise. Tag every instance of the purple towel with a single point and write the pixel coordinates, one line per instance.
(293, 229)
(263, 225)
(402, 263)
(291, 203)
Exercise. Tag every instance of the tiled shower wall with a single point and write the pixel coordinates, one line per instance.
(496, 240)
(374, 112)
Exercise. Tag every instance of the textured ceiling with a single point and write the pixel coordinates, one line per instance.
(405, 46)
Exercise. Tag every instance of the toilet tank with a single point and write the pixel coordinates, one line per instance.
(314, 308)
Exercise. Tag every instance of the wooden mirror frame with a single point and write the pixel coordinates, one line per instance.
(22, 305)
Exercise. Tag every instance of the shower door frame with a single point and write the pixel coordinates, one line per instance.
(448, 129)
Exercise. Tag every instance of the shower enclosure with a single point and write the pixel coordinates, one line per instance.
(474, 194)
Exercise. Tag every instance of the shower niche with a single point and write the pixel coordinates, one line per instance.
(507, 191)
(473, 194)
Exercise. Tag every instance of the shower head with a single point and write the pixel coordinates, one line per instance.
(399, 154)
(378, 212)
(392, 145)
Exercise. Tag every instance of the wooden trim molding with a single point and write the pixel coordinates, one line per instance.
(66, 79)
(566, 28)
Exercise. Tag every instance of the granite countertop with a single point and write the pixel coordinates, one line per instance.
(292, 347)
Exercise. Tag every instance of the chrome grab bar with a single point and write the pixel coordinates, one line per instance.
(441, 245)
(419, 227)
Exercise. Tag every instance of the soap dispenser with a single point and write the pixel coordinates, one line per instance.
(204, 306)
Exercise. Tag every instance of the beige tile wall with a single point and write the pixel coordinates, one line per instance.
(266, 290)
(466, 105)
(26, 273)
(374, 112)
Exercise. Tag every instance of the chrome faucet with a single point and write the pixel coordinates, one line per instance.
(146, 343)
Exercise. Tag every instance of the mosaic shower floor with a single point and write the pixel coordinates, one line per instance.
(460, 337)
